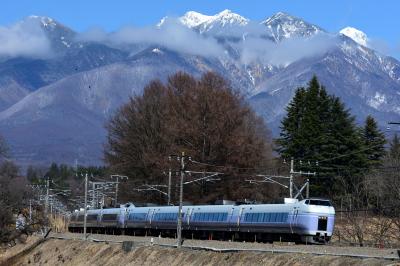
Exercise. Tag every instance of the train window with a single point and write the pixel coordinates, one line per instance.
(91, 217)
(171, 216)
(109, 217)
(137, 216)
(210, 216)
(251, 215)
(285, 217)
(278, 217)
(273, 218)
(320, 202)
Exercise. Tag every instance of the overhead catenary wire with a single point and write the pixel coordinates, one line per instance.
(348, 154)
(234, 167)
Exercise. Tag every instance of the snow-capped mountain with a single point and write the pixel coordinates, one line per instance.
(54, 109)
(193, 19)
(216, 24)
(60, 36)
(355, 34)
(284, 26)
(221, 21)
(21, 75)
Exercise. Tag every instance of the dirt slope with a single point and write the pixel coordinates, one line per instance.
(75, 252)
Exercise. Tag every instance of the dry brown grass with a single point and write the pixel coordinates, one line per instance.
(72, 252)
(58, 223)
(375, 231)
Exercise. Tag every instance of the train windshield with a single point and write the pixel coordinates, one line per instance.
(319, 202)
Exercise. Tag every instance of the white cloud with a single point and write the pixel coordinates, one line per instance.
(286, 51)
(253, 44)
(25, 38)
(172, 35)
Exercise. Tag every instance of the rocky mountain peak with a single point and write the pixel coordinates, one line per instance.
(356, 35)
(283, 26)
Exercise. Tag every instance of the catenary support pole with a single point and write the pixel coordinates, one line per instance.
(169, 181)
(94, 195)
(291, 178)
(116, 191)
(179, 229)
(85, 207)
(46, 206)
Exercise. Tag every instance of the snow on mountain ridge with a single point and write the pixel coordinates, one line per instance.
(284, 26)
(205, 23)
(193, 19)
(44, 21)
(356, 35)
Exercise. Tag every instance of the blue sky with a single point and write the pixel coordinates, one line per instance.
(378, 19)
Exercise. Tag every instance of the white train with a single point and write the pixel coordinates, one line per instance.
(306, 221)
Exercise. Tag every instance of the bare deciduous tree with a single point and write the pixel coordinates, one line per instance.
(205, 118)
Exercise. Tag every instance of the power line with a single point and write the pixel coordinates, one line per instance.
(233, 167)
(352, 153)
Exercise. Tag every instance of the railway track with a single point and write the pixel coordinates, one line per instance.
(226, 246)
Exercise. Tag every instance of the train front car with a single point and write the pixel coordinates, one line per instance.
(313, 220)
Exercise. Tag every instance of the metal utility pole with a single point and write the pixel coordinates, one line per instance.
(116, 186)
(85, 207)
(46, 206)
(291, 178)
(179, 229)
(94, 195)
(292, 186)
(169, 181)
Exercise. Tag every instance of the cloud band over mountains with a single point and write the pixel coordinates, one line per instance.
(25, 38)
(28, 39)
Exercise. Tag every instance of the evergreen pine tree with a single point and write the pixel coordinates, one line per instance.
(53, 172)
(344, 155)
(374, 141)
(290, 143)
(318, 127)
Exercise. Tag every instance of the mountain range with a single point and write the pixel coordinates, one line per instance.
(53, 107)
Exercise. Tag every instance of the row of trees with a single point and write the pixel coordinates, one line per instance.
(212, 123)
(13, 194)
(62, 174)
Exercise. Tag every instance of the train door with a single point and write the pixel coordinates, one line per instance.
(150, 216)
(189, 215)
(240, 216)
(293, 219)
